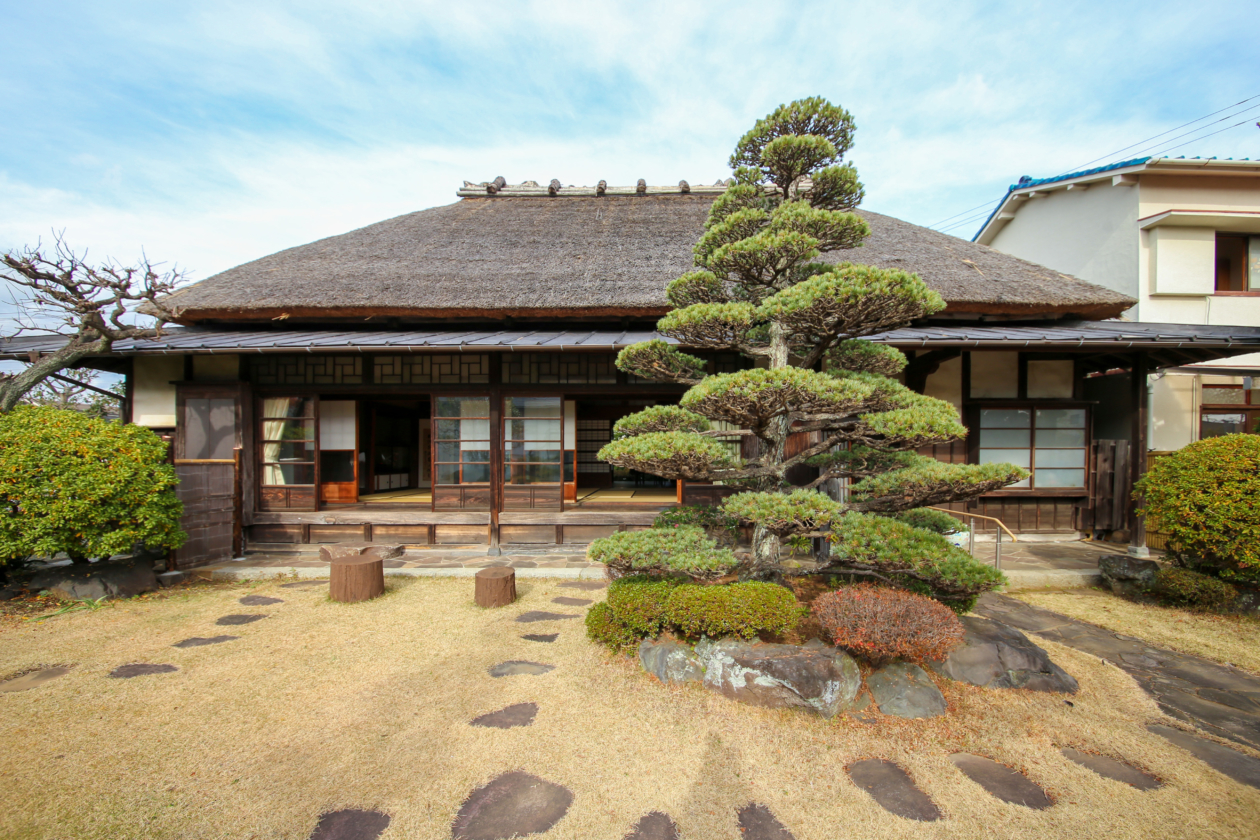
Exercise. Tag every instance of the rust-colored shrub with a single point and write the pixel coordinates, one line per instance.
(879, 624)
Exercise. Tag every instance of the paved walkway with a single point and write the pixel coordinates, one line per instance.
(1219, 699)
(557, 562)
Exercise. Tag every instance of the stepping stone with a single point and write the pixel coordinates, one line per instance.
(1241, 768)
(1112, 769)
(572, 602)
(514, 804)
(234, 620)
(200, 641)
(538, 615)
(350, 824)
(654, 826)
(303, 584)
(541, 637)
(126, 672)
(259, 601)
(585, 584)
(756, 822)
(520, 714)
(893, 789)
(1001, 781)
(34, 679)
(517, 667)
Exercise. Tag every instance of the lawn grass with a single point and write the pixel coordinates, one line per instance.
(1230, 639)
(323, 706)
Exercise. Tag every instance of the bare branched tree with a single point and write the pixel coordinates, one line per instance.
(81, 391)
(91, 306)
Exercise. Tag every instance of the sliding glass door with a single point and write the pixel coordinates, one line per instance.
(532, 453)
(287, 452)
(461, 453)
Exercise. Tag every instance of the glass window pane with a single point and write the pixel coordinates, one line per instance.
(532, 430)
(289, 451)
(336, 465)
(1059, 478)
(476, 456)
(474, 434)
(533, 456)
(1060, 458)
(447, 473)
(1018, 457)
(1008, 438)
(288, 407)
(1060, 437)
(476, 473)
(288, 430)
(1060, 418)
(1019, 485)
(1215, 425)
(532, 473)
(532, 407)
(1224, 396)
(461, 407)
(448, 452)
(1005, 418)
(280, 474)
(209, 428)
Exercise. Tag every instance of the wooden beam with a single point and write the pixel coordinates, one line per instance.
(1137, 453)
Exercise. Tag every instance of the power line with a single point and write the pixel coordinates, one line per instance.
(1200, 128)
(1195, 140)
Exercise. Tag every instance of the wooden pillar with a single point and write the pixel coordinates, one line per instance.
(1137, 451)
(496, 457)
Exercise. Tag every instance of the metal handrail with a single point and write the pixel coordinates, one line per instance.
(971, 541)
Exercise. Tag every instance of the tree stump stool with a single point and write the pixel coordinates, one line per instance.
(495, 587)
(356, 578)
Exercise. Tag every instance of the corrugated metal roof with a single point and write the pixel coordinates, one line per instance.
(1112, 335)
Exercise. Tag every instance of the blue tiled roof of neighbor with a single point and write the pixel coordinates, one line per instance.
(1028, 181)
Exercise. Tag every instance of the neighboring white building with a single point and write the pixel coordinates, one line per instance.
(1182, 235)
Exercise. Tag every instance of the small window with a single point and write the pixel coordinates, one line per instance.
(1049, 442)
(1231, 262)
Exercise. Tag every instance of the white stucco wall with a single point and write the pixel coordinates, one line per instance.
(153, 389)
(1090, 234)
(1174, 412)
(946, 383)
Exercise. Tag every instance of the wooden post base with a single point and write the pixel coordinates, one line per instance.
(356, 578)
(495, 587)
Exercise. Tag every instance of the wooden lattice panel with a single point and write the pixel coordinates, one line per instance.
(306, 370)
(433, 369)
(559, 369)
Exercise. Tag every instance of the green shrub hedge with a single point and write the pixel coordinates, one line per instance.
(738, 609)
(1206, 497)
(639, 602)
(1185, 588)
(603, 628)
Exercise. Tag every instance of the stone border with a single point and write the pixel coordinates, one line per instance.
(310, 572)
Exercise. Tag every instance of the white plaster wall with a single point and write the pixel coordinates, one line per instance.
(1174, 412)
(153, 389)
(1182, 260)
(1089, 234)
(946, 383)
(1160, 193)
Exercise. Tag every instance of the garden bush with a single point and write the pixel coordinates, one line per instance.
(936, 521)
(739, 609)
(90, 488)
(880, 624)
(717, 524)
(911, 558)
(604, 628)
(1206, 497)
(1185, 588)
(638, 602)
(660, 551)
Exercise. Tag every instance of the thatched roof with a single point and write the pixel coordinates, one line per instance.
(582, 256)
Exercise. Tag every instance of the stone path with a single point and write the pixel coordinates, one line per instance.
(126, 672)
(425, 558)
(350, 824)
(34, 679)
(539, 615)
(518, 714)
(1216, 698)
(202, 641)
(1112, 769)
(757, 822)
(588, 585)
(237, 620)
(893, 789)
(654, 826)
(566, 601)
(511, 805)
(1001, 781)
(259, 601)
(541, 637)
(517, 667)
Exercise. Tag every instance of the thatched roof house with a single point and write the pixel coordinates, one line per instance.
(525, 254)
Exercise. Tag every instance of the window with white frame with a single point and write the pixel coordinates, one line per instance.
(1048, 442)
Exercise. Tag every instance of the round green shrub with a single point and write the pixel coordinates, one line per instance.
(638, 603)
(603, 628)
(1185, 588)
(75, 484)
(1206, 497)
(737, 609)
(685, 549)
(936, 521)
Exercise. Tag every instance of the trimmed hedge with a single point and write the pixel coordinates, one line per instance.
(604, 628)
(739, 609)
(1185, 588)
(1206, 497)
(639, 602)
(880, 624)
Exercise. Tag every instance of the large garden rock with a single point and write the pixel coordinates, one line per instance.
(669, 661)
(905, 690)
(994, 655)
(1127, 576)
(814, 676)
(92, 582)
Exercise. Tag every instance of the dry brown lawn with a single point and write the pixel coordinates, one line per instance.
(324, 706)
(1231, 639)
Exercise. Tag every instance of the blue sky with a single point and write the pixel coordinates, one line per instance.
(210, 134)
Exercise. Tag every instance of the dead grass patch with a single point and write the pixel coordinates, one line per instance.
(1231, 639)
(326, 706)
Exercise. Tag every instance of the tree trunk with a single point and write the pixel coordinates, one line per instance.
(765, 554)
(765, 547)
(20, 384)
(495, 587)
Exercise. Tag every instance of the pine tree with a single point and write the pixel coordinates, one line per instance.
(760, 289)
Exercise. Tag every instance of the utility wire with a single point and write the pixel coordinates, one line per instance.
(1200, 128)
(1118, 151)
(1188, 142)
